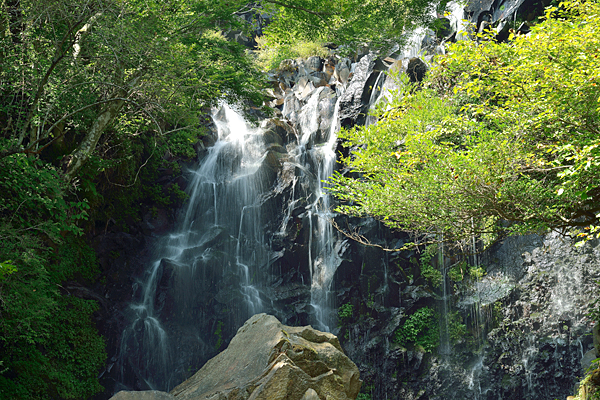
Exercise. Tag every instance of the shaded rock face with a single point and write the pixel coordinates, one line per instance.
(353, 103)
(536, 352)
(268, 360)
(416, 69)
(527, 330)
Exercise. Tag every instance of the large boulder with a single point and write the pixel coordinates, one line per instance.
(144, 395)
(268, 360)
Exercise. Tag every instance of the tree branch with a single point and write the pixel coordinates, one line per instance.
(28, 149)
(59, 54)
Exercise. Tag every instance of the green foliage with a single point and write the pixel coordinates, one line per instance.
(588, 390)
(345, 312)
(33, 199)
(501, 139)
(429, 272)
(476, 272)
(420, 328)
(350, 22)
(270, 57)
(49, 346)
(365, 391)
(6, 268)
(160, 63)
(74, 260)
(219, 334)
(457, 272)
(463, 271)
(456, 328)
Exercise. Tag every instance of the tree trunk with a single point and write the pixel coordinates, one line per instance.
(73, 162)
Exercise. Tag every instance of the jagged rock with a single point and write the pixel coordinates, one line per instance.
(145, 395)
(416, 69)
(442, 27)
(318, 79)
(310, 394)
(291, 106)
(314, 63)
(329, 68)
(268, 360)
(353, 101)
(272, 137)
(342, 70)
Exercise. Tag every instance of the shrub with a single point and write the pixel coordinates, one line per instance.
(420, 328)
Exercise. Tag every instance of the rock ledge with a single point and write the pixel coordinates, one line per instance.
(269, 360)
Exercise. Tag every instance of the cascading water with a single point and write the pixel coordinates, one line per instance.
(317, 148)
(220, 238)
(445, 347)
(224, 240)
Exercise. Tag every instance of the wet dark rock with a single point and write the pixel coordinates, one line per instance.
(523, 29)
(416, 69)
(352, 104)
(272, 137)
(502, 31)
(442, 28)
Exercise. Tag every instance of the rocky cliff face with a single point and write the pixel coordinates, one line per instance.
(527, 328)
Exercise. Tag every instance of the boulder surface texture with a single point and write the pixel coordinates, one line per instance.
(145, 395)
(269, 360)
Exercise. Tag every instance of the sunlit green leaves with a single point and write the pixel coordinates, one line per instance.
(352, 23)
(502, 138)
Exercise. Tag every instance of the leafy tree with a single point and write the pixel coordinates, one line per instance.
(380, 24)
(68, 65)
(91, 92)
(500, 139)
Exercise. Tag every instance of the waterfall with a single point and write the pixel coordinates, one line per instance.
(220, 237)
(376, 94)
(215, 271)
(445, 348)
(321, 157)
